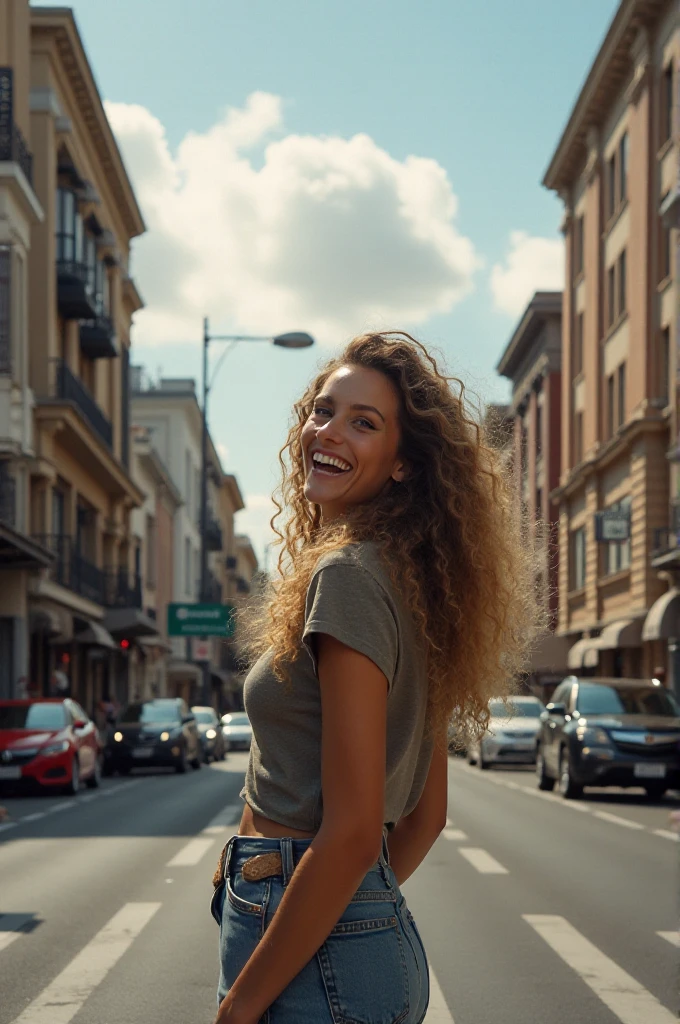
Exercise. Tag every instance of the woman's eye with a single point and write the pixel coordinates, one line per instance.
(320, 410)
(365, 423)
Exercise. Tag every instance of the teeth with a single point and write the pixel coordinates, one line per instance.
(328, 460)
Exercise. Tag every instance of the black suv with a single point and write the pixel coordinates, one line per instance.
(609, 732)
(159, 732)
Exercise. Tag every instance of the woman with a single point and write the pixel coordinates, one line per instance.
(404, 599)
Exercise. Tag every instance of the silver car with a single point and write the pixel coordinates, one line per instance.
(237, 730)
(512, 733)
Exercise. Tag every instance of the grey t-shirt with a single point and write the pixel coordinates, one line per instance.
(351, 598)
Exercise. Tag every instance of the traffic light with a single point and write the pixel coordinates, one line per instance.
(124, 645)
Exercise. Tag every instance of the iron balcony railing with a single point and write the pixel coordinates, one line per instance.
(213, 590)
(8, 500)
(122, 589)
(213, 535)
(67, 387)
(111, 588)
(13, 149)
(667, 538)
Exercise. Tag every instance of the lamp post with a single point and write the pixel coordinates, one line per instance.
(293, 339)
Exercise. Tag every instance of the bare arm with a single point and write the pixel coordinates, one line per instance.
(348, 842)
(413, 836)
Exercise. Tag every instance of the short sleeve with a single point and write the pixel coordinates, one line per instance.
(346, 602)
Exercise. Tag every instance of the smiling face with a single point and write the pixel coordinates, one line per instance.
(350, 443)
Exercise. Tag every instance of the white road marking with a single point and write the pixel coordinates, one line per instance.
(229, 815)
(7, 938)
(618, 990)
(616, 820)
(9, 933)
(456, 835)
(482, 861)
(8, 824)
(60, 807)
(214, 830)
(190, 854)
(672, 937)
(33, 817)
(437, 1010)
(63, 997)
(667, 834)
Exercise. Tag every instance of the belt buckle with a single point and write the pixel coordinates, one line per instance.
(262, 865)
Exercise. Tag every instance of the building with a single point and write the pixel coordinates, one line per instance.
(66, 391)
(169, 412)
(532, 362)
(616, 171)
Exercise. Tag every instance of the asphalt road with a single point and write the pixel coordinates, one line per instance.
(532, 912)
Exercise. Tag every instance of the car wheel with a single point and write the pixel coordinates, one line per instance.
(181, 765)
(484, 765)
(569, 789)
(73, 786)
(655, 790)
(198, 761)
(471, 756)
(542, 777)
(124, 769)
(96, 776)
(107, 770)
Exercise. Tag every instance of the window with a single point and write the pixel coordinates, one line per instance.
(665, 369)
(578, 559)
(664, 251)
(578, 345)
(539, 428)
(623, 169)
(150, 543)
(621, 396)
(188, 565)
(69, 228)
(621, 290)
(539, 503)
(617, 552)
(125, 406)
(666, 104)
(5, 309)
(187, 480)
(58, 512)
(578, 437)
(611, 413)
(611, 296)
(611, 187)
(579, 245)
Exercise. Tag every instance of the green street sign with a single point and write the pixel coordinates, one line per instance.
(201, 620)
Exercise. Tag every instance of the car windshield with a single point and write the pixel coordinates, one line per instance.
(154, 714)
(626, 700)
(513, 709)
(237, 719)
(204, 717)
(32, 716)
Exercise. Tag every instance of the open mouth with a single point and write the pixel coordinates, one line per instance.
(329, 465)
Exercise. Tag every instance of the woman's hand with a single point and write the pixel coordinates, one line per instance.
(231, 1013)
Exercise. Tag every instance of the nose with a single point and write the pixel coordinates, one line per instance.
(330, 431)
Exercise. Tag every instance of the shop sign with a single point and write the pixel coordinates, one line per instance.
(612, 525)
(201, 620)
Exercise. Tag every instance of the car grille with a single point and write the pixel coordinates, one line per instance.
(527, 736)
(661, 745)
(15, 757)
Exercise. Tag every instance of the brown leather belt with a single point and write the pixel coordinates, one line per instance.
(263, 865)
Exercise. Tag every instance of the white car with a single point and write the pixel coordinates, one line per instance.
(237, 730)
(511, 736)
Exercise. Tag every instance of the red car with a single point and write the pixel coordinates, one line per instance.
(48, 742)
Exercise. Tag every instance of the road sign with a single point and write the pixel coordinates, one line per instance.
(201, 648)
(200, 620)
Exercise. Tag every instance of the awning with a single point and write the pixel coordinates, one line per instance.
(663, 618)
(155, 641)
(96, 636)
(131, 622)
(183, 670)
(550, 654)
(585, 653)
(622, 633)
(50, 619)
(17, 551)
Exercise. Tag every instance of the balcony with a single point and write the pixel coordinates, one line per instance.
(70, 569)
(98, 338)
(13, 147)
(8, 500)
(213, 590)
(122, 589)
(666, 542)
(75, 297)
(213, 535)
(68, 388)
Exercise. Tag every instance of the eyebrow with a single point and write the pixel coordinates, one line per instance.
(356, 405)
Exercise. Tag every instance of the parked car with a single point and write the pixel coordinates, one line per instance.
(210, 731)
(48, 743)
(511, 734)
(610, 732)
(160, 732)
(237, 730)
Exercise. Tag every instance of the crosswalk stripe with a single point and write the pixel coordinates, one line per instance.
(672, 937)
(192, 853)
(454, 834)
(482, 861)
(63, 997)
(617, 989)
(437, 1010)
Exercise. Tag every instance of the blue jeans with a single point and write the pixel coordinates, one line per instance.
(371, 969)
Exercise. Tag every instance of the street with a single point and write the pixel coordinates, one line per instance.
(532, 909)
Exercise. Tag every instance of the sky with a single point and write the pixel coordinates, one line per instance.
(335, 166)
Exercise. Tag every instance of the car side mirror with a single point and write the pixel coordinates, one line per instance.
(188, 718)
(556, 709)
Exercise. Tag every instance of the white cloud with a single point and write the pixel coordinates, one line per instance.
(532, 264)
(297, 232)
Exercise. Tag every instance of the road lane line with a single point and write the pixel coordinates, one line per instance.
(65, 806)
(618, 990)
(228, 816)
(191, 854)
(7, 938)
(667, 834)
(8, 824)
(214, 830)
(11, 927)
(63, 997)
(33, 817)
(482, 861)
(616, 820)
(437, 1010)
(672, 937)
(456, 835)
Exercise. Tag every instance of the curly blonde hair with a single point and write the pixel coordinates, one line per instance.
(449, 535)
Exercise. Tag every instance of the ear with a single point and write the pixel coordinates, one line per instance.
(400, 471)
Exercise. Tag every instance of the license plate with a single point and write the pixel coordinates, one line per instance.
(10, 773)
(649, 771)
(142, 752)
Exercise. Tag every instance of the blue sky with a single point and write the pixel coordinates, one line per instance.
(305, 208)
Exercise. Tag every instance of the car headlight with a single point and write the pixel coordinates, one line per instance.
(211, 734)
(164, 736)
(593, 736)
(55, 748)
(118, 737)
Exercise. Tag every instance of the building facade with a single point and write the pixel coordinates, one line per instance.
(532, 362)
(614, 168)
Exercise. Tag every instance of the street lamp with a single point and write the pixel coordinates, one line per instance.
(292, 339)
